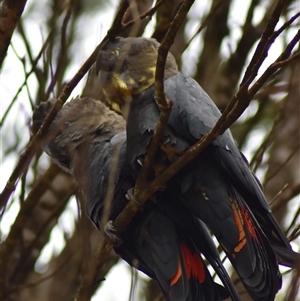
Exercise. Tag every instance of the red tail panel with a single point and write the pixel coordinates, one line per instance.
(239, 222)
(249, 224)
(177, 275)
(193, 264)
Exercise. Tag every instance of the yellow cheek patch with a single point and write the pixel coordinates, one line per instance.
(122, 89)
(118, 83)
(116, 107)
(112, 103)
(146, 79)
(150, 75)
(152, 70)
(131, 82)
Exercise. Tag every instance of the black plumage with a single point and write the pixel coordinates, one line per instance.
(218, 187)
(83, 139)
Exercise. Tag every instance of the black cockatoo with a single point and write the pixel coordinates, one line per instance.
(82, 139)
(217, 186)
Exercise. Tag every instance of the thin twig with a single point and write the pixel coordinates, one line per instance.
(264, 44)
(205, 22)
(295, 233)
(279, 193)
(293, 222)
(23, 63)
(286, 196)
(294, 286)
(33, 68)
(63, 49)
(278, 169)
(148, 13)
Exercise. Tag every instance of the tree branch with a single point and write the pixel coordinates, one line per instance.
(264, 44)
(148, 13)
(10, 13)
(32, 226)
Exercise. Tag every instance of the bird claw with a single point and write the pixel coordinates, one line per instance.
(109, 230)
(130, 197)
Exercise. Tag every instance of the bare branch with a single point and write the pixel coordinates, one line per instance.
(148, 13)
(296, 232)
(284, 59)
(61, 61)
(10, 13)
(33, 69)
(32, 226)
(264, 44)
(295, 285)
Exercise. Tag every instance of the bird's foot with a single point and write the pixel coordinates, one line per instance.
(130, 197)
(110, 231)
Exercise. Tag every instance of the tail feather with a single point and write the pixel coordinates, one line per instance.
(167, 253)
(285, 257)
(254, 260)
(214, 200)
(207, 247)
(202, 286)
(217, 265)
(250, 188)
(171, 202)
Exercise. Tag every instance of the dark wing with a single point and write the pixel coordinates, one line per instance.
(101, 159)
(165, 253)
(171, 202)
(194, 114)
(207, 193)
(84, 135)
(163, 247)
(204, 187)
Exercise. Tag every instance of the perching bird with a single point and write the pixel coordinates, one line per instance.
(83, 139)
(217, 186)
